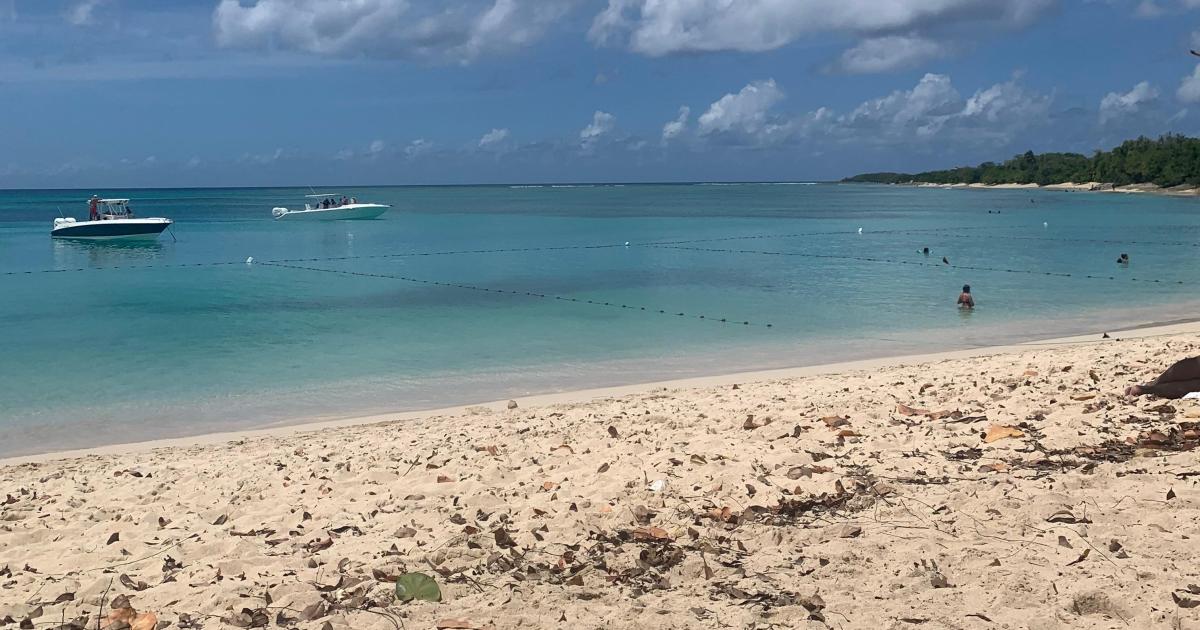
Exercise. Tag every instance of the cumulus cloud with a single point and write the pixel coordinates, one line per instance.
(431, 30)
(493, 138)
(933, 110)
(663, 27)
(891, 52)
(1116, 105)
(417, 148)
(674, 128)
(745, 112)
(1189, 88)
(602, 124)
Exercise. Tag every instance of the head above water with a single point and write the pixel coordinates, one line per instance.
(966, 288)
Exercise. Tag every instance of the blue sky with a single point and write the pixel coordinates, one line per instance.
(293, 92)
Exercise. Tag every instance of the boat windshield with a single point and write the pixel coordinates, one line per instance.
(108, 209)
(326, 201)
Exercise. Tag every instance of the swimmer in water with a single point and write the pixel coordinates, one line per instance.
(965, 300)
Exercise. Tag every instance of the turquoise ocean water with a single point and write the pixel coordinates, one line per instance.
(465, 294)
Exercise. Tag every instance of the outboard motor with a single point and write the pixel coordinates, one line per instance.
(278, 212)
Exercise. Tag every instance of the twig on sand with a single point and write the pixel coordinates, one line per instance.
(103, 598)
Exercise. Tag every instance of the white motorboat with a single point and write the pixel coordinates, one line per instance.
(329, 208)
(109, 219)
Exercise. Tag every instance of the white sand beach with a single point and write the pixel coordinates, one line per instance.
(1008, 488)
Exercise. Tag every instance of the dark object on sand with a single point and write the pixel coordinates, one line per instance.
(1179, 380)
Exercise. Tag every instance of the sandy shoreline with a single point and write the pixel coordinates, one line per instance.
(590, 394)
(864, 495)
(1152, 189)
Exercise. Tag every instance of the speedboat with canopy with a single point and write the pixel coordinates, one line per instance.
(330, 207)
(109, 219)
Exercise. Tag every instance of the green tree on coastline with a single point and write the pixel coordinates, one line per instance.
(1171, 160)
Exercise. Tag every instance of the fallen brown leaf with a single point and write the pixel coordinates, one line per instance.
(999, 432)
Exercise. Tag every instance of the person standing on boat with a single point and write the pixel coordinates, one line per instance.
(94, 208)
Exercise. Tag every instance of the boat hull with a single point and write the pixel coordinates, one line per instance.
(350, 212)
(125, 229)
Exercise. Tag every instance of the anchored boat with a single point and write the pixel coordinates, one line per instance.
(109, 219)
(331, 207)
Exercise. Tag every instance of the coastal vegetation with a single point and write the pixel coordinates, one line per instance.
(1170, 160)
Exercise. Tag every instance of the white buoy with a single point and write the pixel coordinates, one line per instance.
(250, 260)
(626, 243)
(1045, 224)
(860, 230)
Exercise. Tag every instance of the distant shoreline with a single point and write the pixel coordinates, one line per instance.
(1152, 189)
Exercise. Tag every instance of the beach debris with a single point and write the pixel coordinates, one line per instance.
(797, 472)
(122, 615)
(904, 409)
(654, 534)
(994, 467)
(130, 584)
(753, 423)
(1065, 516)
(221, 519)
(1183, 601)
(1083, 556)
(248, 618)
(613, 433)
(1082, 397)
(503, 539)
(658, 485)
(512, 404)
(418, 586)
(113, 538)
(997, 432)
(834, 422)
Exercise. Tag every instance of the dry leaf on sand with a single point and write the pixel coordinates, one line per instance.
(1000, 431)
(910, 411)
(651, 533)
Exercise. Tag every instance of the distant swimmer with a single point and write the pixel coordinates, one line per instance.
(1123, 259)
(965, 300)
(945, 261)
(925, 251)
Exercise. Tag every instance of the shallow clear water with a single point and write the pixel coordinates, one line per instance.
(183, 337)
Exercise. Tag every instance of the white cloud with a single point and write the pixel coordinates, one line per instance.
(1115, 105)
(1189, 88)
(934, 109)
(493, 138)
(81, 13)
(417, 148)
(673, 129)
(602, 124)
(439, 31)
(922, 111)
(891, 52)
(663, 27)
(744, 112)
